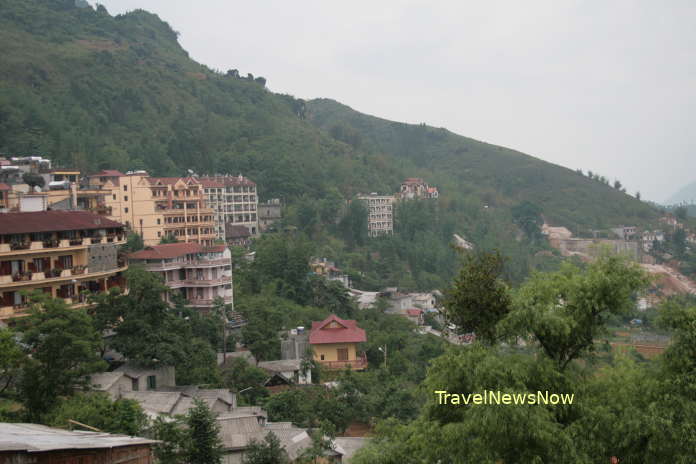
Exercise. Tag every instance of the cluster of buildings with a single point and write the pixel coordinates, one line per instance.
(380, 208)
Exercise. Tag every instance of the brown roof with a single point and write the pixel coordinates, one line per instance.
(236, 231)
(211, 183)
(5, 186)
(347, 332)
(413, 180)
(171, 180)
(167, 250)
(215, 249)
(53, 221)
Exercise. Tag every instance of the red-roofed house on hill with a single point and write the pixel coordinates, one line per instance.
(199, 273)
(335, 343)
(61, 253)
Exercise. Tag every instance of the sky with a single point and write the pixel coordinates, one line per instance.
(603, 86)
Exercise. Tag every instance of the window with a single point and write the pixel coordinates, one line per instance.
(322, 357)
(65, 262)
(159, 234)
(134, 385)
(151, 382)
(125, 210)
(125, 198)
(158, 221)
(125, 188)
(199, 293)
(114, 195)
(342, 354)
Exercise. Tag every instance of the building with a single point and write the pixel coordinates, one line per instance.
(38, 444)
(625, 232)
(335, 343)
(295, 344)
(328, 270)
(269, 213)
(129, 377)
(415, 315)
(158, 207)
(380, 214)
(286, 371)
(236, 235)
(62, 253)
(4, 197)
(235, 202)
(415, 187)
(198, 273)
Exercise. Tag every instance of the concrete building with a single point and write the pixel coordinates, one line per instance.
(199, 273)
(234, 200)
(155, 207)
(286, 371)
(380, 214)
(415, 187)
(269, 213)
(38, 444)
(129, 377)
(328, 270)
(62, 253)
(335, 343)
(237, 235)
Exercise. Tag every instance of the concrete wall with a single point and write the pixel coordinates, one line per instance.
(102, 257)
(330, 351)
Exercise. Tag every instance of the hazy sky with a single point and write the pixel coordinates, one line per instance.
(605, 86)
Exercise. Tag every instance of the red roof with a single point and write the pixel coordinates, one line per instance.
(108, 173)
(414, 312)
(211, 183)
(215, 249)
(167, 250)
(346, 332)
(414, 180)
(53, 221)
(5, 186)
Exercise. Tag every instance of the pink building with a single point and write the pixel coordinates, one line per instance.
(199, 273)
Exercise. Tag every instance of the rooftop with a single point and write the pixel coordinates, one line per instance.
(34, 438)
(336, 330)
(166, 251)
(53, 221)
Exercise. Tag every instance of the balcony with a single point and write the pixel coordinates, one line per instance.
(206, 303)
(54, 275)
(357, 364)
(199, 282)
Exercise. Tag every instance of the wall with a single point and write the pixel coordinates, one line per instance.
(102, 257)
(329, 350)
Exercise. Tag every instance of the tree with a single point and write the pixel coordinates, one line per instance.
(168, 239)
(64, 348)
(528, 217)
(134, 242)
(12, 359)
(238, 375)
(617, 184)
(269, 451)
(353, 226)
(478, 299)
(681, 213)
(33, 180)
(637, 195)
(96, 409)
(204, 446)
(566, 311)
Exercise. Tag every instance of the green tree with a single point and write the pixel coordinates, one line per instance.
(354, 224)
(478, 299)
(528, 217)
(238, 375)
(566, 311)
(33, 180)
(96, 409)
(12, 359)
(64, 348)
(268, 451)
(134, 243)
(204, 446)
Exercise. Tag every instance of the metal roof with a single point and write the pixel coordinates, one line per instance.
(34, 438)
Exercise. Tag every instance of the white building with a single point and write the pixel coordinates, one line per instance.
(234, 200)
(380, 218)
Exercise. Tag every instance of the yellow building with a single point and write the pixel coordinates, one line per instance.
(62, 253)
(335, 343)
(156, 207)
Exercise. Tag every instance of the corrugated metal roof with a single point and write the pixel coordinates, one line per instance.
(34, 438)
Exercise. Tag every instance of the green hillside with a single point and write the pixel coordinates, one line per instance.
(497, 176)
(92, 91)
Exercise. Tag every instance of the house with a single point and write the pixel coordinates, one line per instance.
(198, 273)
(328, 270)
(335, 343)
(237, 431)
(286, 371)
(424, 301)
(415, 315)
(171, 403)
(363, 298)
(223, 359)
(38, 444)
(61, 253)
(415, 187)
(295, 344)
(269, 213)
(130, 377)
(399, 303)
(237, 235)
(625, 232)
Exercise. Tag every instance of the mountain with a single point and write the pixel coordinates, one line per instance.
(93, 91)
(498, 176)
(686, 194)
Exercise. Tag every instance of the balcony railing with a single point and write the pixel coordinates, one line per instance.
(356, 364)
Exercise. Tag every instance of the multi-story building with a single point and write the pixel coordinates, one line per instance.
(380, 218)
(269, 212)
(234, 200)
(62, 253)
(198, 273)
(156, 207)
(415, 187)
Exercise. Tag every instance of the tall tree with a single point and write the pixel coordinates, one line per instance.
(268, 451)
(478, 298)
(204, 446)
(12, 359)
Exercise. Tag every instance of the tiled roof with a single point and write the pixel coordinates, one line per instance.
(215, 249)
(348, 333)
(413, 180)
(167, 250)
(53, 221)
(5, 186)
(413, 312)
(211, 183)
(236, 231)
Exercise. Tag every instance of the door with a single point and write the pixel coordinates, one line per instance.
(342, 354)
